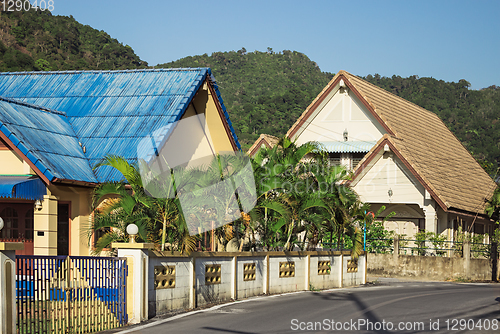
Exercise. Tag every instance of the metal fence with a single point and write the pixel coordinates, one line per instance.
(70, 294)
(427, 247)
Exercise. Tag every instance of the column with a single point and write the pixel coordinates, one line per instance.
(137, 255)
(430, 216)
(45, 227)
(8, 311)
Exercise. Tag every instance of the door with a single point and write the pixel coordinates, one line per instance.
(63, 228)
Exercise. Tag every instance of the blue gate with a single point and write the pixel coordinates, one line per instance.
(70, 294)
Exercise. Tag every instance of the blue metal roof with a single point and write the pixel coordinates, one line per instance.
(108, 111)
(22, 187)
(348, 146)
(46, 138)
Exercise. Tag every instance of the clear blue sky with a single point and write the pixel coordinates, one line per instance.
(448, 40)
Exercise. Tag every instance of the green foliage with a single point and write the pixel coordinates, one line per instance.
(265, 92)
(493, 206)
(439, 243)
(43, 65)
(477, 246)
(379, 240)
(421, 241)
(118, 204)
(59, 43)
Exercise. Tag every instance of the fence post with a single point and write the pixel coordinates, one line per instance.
(396, 250)
(466, 251)
(341, 271)
(267, 280)
(494, 261)
(308, 271)
(137, 280)
(234, 278)
(365, 267)
(8, 311)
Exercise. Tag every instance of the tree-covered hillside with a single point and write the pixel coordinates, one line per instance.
(265, 92)
(38, 40)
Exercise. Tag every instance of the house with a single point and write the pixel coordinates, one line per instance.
(55, 126)
(268, 141)
(403, 157)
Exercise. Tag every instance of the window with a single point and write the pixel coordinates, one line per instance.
(18, 219)
(28, 224)
(356, 158)
(11, 220)
(334, 159)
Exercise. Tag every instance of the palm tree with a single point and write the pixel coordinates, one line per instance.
(493, 205)
(284, 203)
(493, 211)
(118, 204)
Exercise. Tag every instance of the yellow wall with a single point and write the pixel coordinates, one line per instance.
(204, 103)
(11, 163)
(45, 220)
(80, 210)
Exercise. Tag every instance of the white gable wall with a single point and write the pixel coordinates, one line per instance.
(386, 172)
(339, 111)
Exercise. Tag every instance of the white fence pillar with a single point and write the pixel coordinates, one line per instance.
(137, 280)
(8, 311)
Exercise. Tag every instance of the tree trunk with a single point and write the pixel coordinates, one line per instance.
(164, 232)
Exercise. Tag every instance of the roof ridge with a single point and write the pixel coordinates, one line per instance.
(162, 69)
(33, 106)
(392, 94)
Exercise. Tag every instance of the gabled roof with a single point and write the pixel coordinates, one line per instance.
(108, 112)
(422, 141)
(46, 138)
(268, 140)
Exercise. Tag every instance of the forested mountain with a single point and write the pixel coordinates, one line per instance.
(265, 92)
(37, 40)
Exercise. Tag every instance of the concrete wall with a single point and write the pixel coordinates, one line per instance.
(213, 293)
(329, 280)
(191, 291)
(279, 284)
(428, 267)
(255, 287)
(169, 299)
(356, 277)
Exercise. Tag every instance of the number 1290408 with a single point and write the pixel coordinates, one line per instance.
(26, 5)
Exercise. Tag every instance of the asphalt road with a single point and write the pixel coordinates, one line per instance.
(392, 307)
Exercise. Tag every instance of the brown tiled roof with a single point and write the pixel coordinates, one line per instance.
(268, 140)
(436, 157)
